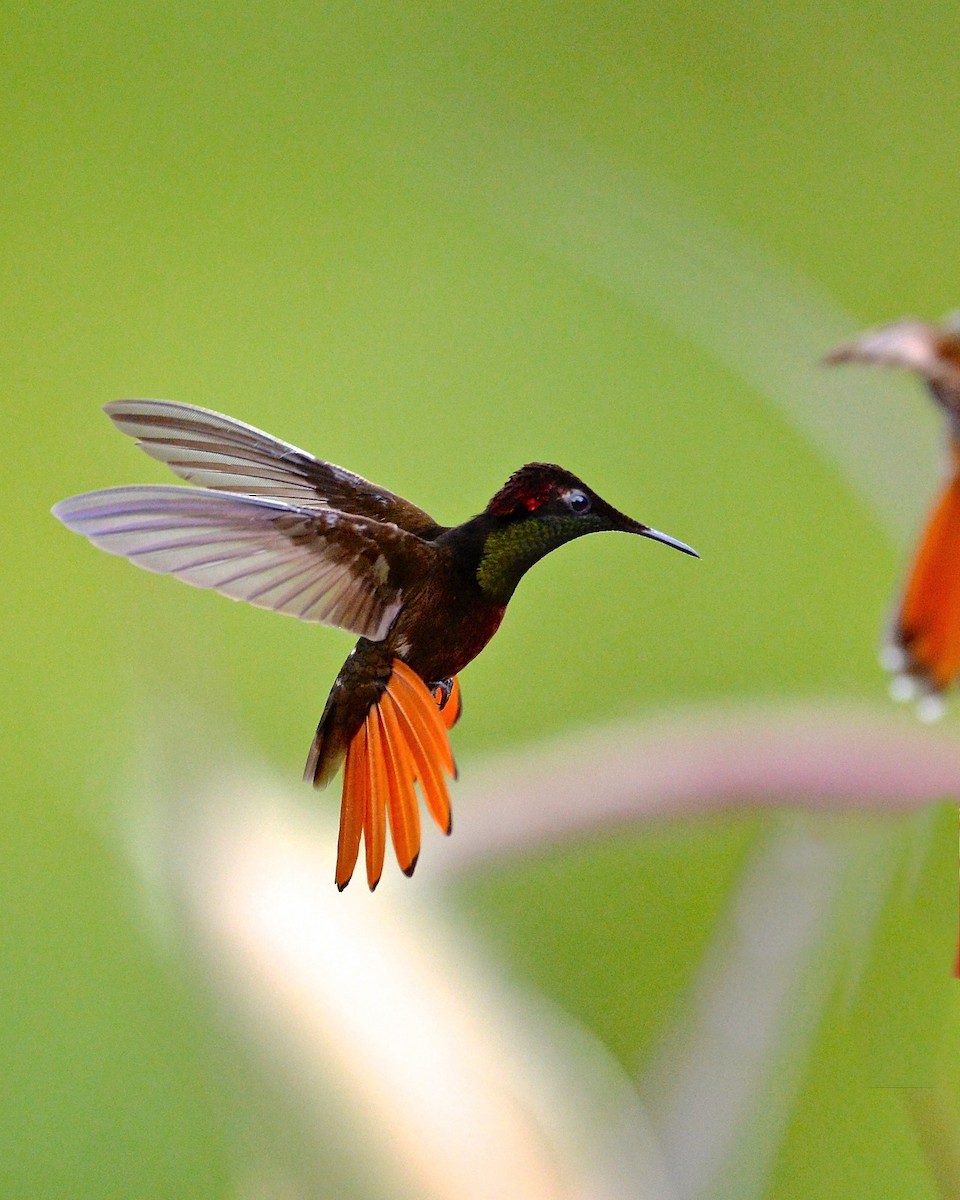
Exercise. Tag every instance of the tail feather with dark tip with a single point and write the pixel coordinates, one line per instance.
(400, 743)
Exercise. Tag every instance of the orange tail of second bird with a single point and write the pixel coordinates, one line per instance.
(925, 640)
(402, 742)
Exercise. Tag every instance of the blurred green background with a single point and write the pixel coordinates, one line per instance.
(317, 218)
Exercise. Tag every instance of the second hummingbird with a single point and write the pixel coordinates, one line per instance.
(272, 525)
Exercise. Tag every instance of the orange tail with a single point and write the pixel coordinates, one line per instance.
(925, 639)
(403, 741)
(926, 636)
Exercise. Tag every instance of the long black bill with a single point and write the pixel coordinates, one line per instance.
(657, 536)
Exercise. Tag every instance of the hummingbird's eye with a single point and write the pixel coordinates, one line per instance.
(577, 502)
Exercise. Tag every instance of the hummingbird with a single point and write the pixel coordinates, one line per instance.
(922, 645)
(270, 524)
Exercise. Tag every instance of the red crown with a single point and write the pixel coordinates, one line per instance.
(531, 486)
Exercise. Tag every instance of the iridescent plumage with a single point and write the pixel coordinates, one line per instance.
(270, 524)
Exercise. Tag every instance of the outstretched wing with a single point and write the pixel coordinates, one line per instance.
(214, 451)
(318, 565)
(932, 351)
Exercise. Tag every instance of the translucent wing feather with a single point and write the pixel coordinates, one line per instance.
(318, 565)
(214, 451)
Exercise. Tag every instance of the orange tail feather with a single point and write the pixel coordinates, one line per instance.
(926, 634)
(353, 807)
(402, 742)
(402, 802)
(412, 693)
(429, 773)
(374, 823)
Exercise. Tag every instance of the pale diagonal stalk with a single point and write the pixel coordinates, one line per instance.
(798, 922)
(409, 1064)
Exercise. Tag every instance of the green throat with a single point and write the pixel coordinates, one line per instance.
(510, 551)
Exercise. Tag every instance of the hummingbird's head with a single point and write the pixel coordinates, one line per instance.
(539, 508)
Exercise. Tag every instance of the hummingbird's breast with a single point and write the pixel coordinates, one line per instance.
(442, 628)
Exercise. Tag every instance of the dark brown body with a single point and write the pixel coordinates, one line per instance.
(445, 622)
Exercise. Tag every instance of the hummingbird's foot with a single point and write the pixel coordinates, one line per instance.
(441, 692)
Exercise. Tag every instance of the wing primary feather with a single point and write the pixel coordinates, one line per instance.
(311, 577)
(296, 573)
(224, 539)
